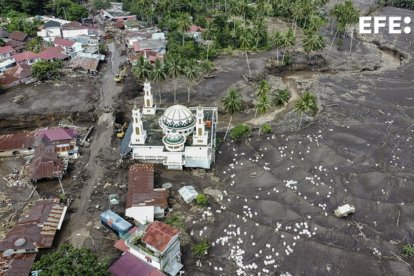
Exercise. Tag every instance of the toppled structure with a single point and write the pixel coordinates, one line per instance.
(188, 193)
(34, 231)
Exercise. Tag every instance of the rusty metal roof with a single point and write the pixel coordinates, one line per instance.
(18, 35)
(37, 228)
(18, 264)
(141, 190)
(46, 165)
(85, 63)
(159, 235)
(129, 265)
(17, 141)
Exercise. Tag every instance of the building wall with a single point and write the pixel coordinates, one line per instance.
(73, 33)
(138, 254)
(142, 214)
(49, 34)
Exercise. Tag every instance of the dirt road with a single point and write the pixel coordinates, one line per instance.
(77, 229)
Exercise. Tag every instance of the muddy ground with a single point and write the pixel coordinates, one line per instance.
(271, 197)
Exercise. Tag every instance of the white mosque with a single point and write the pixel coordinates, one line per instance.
(176, 137)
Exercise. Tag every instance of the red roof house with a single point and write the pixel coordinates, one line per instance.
(6, 52)
(129, 265)
(18, 35)
(21, 73)
(27, 56)
(159, 235)
(63, 42)
(195, 28)
(18, 141)
(53, 53)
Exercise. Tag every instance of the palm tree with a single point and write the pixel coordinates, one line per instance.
(313, 42)
(159, 74)
(262, 105)
(142, 69)
(245, 41)
(277, 40)
(306, 104)
(281, 97)
(174, 70)
(184, 24)
(289, 41)
(263, 89)
(232, 104)
(192, 72)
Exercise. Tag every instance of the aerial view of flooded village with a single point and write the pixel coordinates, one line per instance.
(222, 137)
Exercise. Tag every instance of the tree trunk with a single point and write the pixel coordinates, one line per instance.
(248, 65)
(159, 91)
(352, 37)
(228, 127)
(189, 92)
(175, 91)
(333, 40)
(183, 38)
(277, 54)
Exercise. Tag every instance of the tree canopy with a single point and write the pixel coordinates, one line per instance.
(68, 260)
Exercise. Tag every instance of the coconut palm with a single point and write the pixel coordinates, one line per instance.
(232, 104)
(263, 89)
(277, 40)
(262, 105)
(281, 97)
(159, 74)
(174, 70)
(245, 41)
(306, 104)
(184, 24)
(192, 72)
(313, 42)
(142, 69)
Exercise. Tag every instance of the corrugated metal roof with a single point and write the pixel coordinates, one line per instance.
(141, 187)
(37, 228)
(17, 141)
(18, 35)
(129, 265)
(46, 165)
(6, 49)
(188, 193)
(159, 235)
(18, 264)
(86, 63)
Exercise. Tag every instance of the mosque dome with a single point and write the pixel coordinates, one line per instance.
(178, 118)
(174, 141)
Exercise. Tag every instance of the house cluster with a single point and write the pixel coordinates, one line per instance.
(67, 40)
(50, 149)
(35, 230)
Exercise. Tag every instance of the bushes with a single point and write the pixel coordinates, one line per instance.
(266, 128)
(200, 249)
(201, 200)
(240, 131)
(45, 70)
(408, 250)
(281, 97)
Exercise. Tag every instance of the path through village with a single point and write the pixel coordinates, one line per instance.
(78, 228)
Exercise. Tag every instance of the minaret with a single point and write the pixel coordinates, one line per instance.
(139, 134)
(200, 135)
(149, 106)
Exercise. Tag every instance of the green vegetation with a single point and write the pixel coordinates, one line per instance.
(101, 4)
(201, 200)
(281, 97)
(67, 9)
(35, 44)
(407, 4)
(200, 249)
(240, 131)
(307, 104)
(20, 22)
(46, 70)
(232, 102)
(68, 260)
(408, 250)
(266, 128)
(175, 221)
